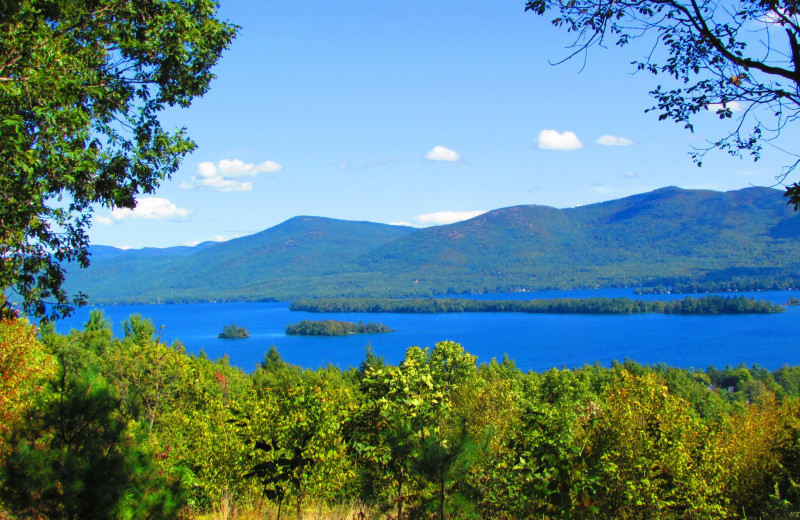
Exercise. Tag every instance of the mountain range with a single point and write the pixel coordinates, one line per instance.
(666, 236)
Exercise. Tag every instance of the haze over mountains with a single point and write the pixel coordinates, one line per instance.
(665, 236)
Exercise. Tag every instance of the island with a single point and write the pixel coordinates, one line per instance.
(233, 332)
(711, 304)
(334, 328)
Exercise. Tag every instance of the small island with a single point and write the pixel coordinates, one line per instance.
(334, 328)
(233, 332)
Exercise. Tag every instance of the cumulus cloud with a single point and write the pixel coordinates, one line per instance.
(445, 217)
(552, 140)
(440, 153)
(222, 176)
(610, 140)
(237, 168)
(630, 175)
(153, 208)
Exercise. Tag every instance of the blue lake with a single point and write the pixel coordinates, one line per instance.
(534, 341)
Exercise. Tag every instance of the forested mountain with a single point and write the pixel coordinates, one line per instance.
(665, 236)
(268, 265)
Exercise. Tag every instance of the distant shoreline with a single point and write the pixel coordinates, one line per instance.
(706, 305)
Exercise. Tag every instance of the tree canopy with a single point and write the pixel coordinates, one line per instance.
(82, 83)
(740, 59)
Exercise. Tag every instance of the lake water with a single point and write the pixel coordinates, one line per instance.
(534, 341)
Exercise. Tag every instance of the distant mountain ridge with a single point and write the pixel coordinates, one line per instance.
(665, 236)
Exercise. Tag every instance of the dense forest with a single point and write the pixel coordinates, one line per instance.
(95, 426)
(334, 328)
(705, 305)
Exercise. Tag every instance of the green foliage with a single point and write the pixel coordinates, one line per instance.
(233, 332)
(81, 86)
(405, 430)
(73, 458)
(134, 428)
(293, 432)
(148, 375)
(705, 305)
(25, 365)
(644, 452)
(334, 328)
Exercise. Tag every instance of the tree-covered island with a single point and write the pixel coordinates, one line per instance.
(711, 304)
(334, 328)
(233, 332)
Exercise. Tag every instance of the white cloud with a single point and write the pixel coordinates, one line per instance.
(552, 140)
(445, 217)
(215, 238)
(207, 170)
(220, 176)
(146, 208)
(222, 184)
(735, 106)
(630, 175)
(440, 153)
(237, 168)
(610, 140)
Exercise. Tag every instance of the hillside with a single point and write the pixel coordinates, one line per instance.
(664, 236)
(266, 265)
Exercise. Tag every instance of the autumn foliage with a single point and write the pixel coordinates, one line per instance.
(24, 366)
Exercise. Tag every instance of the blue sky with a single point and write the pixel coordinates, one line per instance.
(414, 112)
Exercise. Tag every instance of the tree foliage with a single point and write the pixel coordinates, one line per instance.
(133, 428)
(24, 367)
(736, 58)
(334, 328)
(233, 332)
(711, 304)
(81, 87)
(73, 458)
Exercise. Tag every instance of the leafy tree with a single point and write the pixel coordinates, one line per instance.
(73, 458)
(295, 441)
(646, 455)
(81, 86)
(405, 430)
(147, 374)
(725, 56)
(24, 366)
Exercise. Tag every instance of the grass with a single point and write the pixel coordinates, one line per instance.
(228, 510)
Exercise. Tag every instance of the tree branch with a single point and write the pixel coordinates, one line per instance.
(708, 35)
